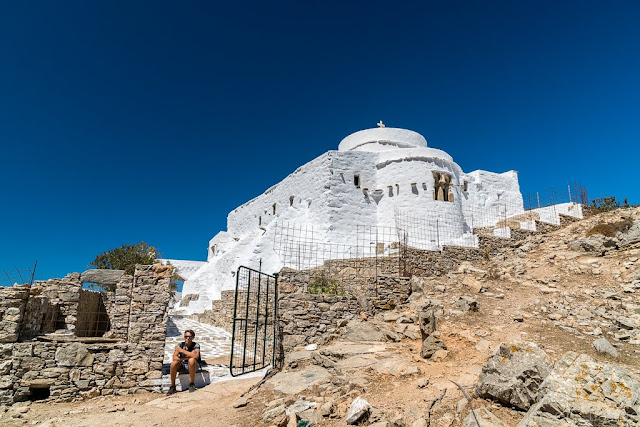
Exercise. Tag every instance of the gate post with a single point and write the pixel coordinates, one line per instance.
(278, 350)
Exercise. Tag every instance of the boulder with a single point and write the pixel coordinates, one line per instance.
(631, 236)
(467, 303)
(595, 243)
(298, 381)
(427, 322)
(581, 391)
(74, 354)
(357, 330)
(431, 345)
(513, 375)
(358, 411)
(604, 347)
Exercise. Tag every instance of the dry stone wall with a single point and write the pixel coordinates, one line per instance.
(221, 313)
(307, 318)
(65, 371)
(12, 307)
(55, 344)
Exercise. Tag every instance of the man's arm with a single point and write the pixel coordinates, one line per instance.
(176, 353)
(190, 354)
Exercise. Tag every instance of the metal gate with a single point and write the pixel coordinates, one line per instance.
(254, 326)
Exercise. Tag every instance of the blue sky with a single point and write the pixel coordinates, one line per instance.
(128, 121)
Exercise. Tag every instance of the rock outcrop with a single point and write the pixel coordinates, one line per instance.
(513, 375)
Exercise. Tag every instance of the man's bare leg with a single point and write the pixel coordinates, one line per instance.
(192, 370)
(174, 372)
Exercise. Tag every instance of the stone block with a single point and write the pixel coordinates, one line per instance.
(55, 372)
(102, 277)
(22, 350)
(74, 354)
(137, 366)
(32, 363)
(117, 355)
(38, 383)
(105, 369)
(82, 384)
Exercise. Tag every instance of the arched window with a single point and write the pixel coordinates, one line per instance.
(442, 189)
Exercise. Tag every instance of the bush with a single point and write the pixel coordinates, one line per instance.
(322, 285)
(610, 229)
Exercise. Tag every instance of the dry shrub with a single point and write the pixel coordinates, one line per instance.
(610, 229)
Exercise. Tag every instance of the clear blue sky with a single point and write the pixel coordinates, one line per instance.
(123, 121)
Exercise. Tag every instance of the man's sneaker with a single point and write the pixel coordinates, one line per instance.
(192, 388)
(172, 390)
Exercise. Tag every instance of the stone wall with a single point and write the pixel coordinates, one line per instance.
(65, 371)
(55, 347)
(221, 313)
(12, 305)
(150, 297)
(119, 311)
(307, 318)
(63, 296)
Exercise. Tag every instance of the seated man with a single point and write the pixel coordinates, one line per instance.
(187, 356)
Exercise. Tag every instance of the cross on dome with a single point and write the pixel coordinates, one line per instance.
(380, 124)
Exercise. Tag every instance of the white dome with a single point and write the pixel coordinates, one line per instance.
(382, 139)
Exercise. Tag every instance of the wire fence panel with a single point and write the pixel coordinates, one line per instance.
(254, 314)
(374, 251)
(8, 277)
(368, 252)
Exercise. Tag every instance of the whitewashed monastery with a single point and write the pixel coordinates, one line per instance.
(374, 175)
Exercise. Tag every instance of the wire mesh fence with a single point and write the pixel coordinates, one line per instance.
(8, 277)
(372, 251)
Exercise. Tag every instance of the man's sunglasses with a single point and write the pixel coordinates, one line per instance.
(188, 336)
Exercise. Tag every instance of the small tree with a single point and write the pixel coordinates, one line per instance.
(126, 257)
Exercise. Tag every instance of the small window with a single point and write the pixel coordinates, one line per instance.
(274, 208)
(465, 186)
(291, 200)
(259, 221)
(356, 180)
(390, 187)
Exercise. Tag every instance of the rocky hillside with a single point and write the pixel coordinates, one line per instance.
(545, 332)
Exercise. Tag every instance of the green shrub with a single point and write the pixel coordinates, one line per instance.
(322, 286)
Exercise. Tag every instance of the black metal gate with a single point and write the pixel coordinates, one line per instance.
(254, 325)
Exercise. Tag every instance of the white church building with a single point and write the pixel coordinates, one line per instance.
(375, 174)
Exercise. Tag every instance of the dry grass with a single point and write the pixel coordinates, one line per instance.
(610, 229)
